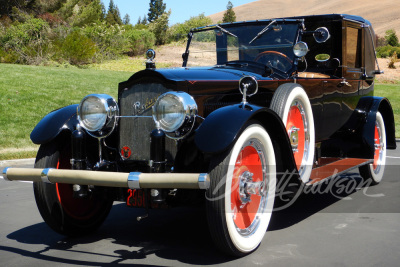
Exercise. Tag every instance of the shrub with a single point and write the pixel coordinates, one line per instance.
(380, 41)
(179, 31)
(110, 40)
(52, 20)
(391, 37)
(392, 61)
(78, 49)
(387, 51)
(139, 41)
(26, 42)
(22, 34)
(8, 56)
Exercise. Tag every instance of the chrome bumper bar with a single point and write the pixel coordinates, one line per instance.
(133, 180)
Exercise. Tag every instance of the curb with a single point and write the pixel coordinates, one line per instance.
(17, 162)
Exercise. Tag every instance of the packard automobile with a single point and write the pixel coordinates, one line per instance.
(253, 102)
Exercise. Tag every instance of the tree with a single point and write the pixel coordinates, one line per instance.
(157, 8)
(88, 14)
(6, 6)
(391, 37)
(179, 31)
(113, 16)
(160, 28)
(144, 21)
(126, 20)
(229, 15)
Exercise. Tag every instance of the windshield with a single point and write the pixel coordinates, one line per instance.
(268, 42)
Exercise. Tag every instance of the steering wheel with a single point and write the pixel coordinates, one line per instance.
(274, 59)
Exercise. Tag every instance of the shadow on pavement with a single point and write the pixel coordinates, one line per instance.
(179, 234)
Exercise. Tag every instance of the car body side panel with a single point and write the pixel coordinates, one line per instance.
(356, 137)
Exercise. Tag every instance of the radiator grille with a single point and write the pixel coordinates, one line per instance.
(135, 132)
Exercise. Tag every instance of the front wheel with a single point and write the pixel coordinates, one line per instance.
(59, 209)
(374, 172)
(242, 191)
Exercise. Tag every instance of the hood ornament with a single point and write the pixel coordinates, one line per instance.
(248, 86)
(150, 55)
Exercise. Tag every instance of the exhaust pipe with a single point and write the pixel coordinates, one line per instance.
(133, 180)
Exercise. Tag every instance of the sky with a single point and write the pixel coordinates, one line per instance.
(181, 9)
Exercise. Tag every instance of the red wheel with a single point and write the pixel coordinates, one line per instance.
(247, 173)
(295, 128)
(374, 172)
(60, 210)
(241, 197)
(291, 103)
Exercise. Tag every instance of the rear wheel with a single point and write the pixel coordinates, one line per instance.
(291, 103)
(242, 191)
(374, 172)
(60, 210)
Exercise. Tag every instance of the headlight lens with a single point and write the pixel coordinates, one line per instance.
(300, 49)
(97, 114)
(173, 109)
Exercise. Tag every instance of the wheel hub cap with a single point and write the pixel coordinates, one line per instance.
(297, 129)
(248, 187)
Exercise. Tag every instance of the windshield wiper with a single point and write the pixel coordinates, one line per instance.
(262, 32)
(225, 31)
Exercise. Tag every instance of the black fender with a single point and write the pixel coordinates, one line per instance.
(372, 105)
(222, 128)
(54, 123)
(356, 138)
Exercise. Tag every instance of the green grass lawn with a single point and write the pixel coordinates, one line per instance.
(392, 92)
(28, 93)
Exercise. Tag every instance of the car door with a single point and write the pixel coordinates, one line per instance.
(352, 67)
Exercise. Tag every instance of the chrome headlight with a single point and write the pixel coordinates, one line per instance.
(300, 49)
(97, 113)
(174, 111)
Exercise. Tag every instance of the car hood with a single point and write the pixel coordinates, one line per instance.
(197, 80)
(215, 73)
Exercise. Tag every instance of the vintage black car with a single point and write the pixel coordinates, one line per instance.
(253, 102)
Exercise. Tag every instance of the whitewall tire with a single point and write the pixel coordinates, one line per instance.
(374, 171)
(291, 103)
(241, 196)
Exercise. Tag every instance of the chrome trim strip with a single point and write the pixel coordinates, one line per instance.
(204, 181)
(45, 176)
(134, 117)
(5, 174)
(133, 180)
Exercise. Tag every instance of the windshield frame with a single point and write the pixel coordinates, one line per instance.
(226, 27)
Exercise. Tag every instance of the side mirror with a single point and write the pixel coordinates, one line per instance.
(321, 35)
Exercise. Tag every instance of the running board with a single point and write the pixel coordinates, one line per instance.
(333, 169)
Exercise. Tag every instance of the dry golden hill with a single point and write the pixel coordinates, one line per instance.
(383, 14)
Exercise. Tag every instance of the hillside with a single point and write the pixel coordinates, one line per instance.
(383, 14)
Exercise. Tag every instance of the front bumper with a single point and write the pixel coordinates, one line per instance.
(133, 180)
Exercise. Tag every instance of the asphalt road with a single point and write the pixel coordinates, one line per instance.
(343, 226)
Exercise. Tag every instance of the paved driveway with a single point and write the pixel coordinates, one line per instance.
(348, 227)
